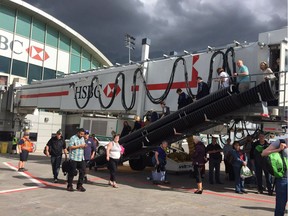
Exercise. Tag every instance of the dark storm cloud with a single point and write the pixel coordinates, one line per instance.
(171, 25)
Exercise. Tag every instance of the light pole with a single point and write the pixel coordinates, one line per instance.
(130, 44)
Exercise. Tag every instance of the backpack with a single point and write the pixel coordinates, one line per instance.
(275, 164)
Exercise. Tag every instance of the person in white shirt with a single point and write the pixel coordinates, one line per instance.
(267, 72)
(223, 78)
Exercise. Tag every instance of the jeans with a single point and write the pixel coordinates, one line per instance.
(214, 164)
(259, 176)
(239, 182)
(112, 166)
(80, 165)
(56, 162)
(281, 196)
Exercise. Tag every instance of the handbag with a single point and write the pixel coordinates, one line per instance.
(158, 176)
(245, 172)
(122, 150)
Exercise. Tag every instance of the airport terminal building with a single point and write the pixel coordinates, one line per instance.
(36, 46)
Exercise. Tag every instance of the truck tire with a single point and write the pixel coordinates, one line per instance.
(101, 150)
(137, 164)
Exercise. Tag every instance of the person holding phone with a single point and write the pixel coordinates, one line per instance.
(76, 154)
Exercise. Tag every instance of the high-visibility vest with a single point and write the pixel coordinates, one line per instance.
(14, 141)
(27, 145)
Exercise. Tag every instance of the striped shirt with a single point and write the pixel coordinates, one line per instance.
(76, 154)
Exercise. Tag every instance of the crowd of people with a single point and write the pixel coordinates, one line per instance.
(82, 148)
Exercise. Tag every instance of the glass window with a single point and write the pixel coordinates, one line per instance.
(35, 73)
(75, 63)
(76, 49)
(85, 64)
(4, 64)
(64, 42)
(38, 31)
(52, 37)
(23, 24)
(19, 68)
(60, 74)
(49, 74)
(7, 18)
(95, 64)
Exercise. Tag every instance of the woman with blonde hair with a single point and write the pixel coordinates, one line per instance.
(268, 73)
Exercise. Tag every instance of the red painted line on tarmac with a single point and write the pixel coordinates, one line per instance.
(18, 190)
(204, 192)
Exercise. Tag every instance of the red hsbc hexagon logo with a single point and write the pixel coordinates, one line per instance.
(37, 53)
(109, 89)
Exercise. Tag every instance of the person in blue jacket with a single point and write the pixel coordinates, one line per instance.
(240, 159)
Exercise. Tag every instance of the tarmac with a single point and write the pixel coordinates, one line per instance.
(33, 193)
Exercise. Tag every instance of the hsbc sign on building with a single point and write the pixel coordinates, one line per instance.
(22, 49)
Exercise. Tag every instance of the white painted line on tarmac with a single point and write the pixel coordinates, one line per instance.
(39, 184)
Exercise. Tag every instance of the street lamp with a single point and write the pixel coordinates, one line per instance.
(129, 43)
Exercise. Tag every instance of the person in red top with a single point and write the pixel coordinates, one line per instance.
(24, 147)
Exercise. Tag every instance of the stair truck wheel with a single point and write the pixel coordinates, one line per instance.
(138, 163)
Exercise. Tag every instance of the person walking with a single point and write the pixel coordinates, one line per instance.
(242, 77)
(76, 153)
(240, 159)
(198, 160)
(183, 98)
(223, 78)
(214, 150)
(160, 158)
(165, 109)
(280, 145)
(113, 154)
(89, 153)
(55, 147)
(203, 89)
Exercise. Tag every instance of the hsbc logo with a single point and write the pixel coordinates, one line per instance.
(16, 46)
(37, 53)
(109, 90)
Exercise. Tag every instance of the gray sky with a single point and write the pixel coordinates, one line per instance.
(170, 24)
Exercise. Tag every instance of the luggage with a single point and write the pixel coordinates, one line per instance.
(158, 176)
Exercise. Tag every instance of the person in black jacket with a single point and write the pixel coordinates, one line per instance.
(183, 98)
(256, 151)
(203, 89)
(126, 129)
(54, 148)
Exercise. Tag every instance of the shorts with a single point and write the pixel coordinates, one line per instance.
(24, 155)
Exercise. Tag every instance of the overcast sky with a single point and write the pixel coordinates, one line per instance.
(172, 25)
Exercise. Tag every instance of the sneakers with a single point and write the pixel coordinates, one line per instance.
(239, 192)
(55, 180)
(244, 191)
(22, 170)
(70, 188)
(81, 188)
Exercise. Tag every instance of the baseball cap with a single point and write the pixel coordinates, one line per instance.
(59, 131)
(86, 131)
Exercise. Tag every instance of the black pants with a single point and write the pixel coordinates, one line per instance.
(214, 164)
(197, 173)
(80, 165)
(56, 162)
(229, 170)
(112, 166)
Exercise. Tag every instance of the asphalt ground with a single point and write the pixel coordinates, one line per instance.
(33, 193)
